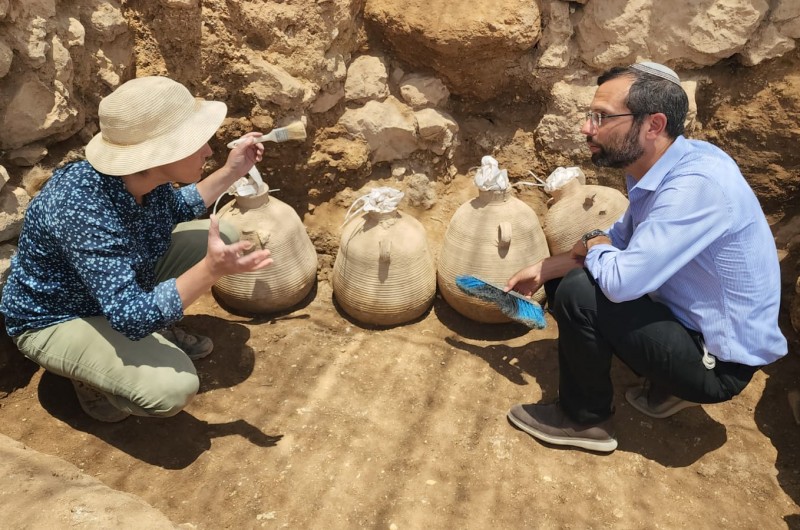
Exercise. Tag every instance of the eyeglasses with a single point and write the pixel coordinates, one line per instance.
(598, 117)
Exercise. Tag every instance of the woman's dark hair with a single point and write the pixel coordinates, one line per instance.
(650, 93)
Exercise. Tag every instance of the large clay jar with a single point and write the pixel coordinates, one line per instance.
(491, 237)
(576, 208)
(384, 273)
(269, 223)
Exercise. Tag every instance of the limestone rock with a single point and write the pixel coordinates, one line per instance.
(437, 129)
(420, 91)
(13, 202)
(420, 191)
(619, 32)
(4, 177)
(268, 83)
(786, 17)
(28, 155)
(366, 79)
(62, 61)
(6, 56)
(556, 40)
(340, 152)
(328, 99)
(388, 126)
(180, 4)
(76, 33)
(64, 496)
(563, 118)
(28, 37)
(767, 44)
(35, 112)
(106, 20)
(690, 87)
(470, 45)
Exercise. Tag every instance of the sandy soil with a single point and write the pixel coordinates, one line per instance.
(310, 420)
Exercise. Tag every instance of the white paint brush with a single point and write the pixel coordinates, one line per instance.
(294, 131)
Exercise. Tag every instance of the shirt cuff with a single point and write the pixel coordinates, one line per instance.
(592, 261)
(193, 199)
(168, 301)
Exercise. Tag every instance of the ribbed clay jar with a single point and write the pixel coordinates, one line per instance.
(272, 224)
(577, 208)
(384, 273)
(491, 237)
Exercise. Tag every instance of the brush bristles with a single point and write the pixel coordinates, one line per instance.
(293, 131)
(512, 305)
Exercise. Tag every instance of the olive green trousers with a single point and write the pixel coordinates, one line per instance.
(147, 377)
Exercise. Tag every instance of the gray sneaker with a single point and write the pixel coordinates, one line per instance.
(195, 346)
(550, 424)
(654, 402)
(96, 404)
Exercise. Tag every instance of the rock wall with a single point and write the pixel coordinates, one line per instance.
(400, 87)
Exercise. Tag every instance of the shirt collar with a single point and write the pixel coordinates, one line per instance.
(655, 175)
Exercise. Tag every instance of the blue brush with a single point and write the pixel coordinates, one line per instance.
(512, 304)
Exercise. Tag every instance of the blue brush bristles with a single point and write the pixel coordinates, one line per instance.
(511, 304)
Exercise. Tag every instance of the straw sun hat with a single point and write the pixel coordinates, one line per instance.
(148, 122)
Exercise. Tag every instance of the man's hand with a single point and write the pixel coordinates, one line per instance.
(223, 259)
(526, 281)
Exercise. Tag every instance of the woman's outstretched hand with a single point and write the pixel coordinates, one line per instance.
(223, 259)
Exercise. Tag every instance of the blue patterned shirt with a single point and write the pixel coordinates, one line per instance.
(695, 238)
(88, 249)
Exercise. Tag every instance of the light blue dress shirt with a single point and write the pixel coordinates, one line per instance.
(88, 249)
(695, 238)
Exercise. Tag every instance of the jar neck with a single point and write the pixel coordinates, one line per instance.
(253, 201)
(569, 188)
(492, 196)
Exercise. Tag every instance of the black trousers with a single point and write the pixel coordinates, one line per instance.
(644, 335)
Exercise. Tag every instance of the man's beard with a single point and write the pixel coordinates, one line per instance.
(619, 154)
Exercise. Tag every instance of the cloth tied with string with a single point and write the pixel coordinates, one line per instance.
(383, 200)
(490, 177)
(561, 175)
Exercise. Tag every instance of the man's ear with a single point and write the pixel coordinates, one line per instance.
(658, 124)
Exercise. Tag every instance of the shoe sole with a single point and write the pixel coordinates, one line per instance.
(114, 416)
(199, 356)
(633, 393)
(603, 446)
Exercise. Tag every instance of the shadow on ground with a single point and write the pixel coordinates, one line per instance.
(170, 443)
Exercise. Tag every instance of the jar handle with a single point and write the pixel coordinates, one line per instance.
(385, 246)
(504, 232)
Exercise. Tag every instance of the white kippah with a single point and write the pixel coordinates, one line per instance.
(658, 70)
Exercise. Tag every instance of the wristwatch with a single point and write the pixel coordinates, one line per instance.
(591, 235)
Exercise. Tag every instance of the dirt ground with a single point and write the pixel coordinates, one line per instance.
(309, 420)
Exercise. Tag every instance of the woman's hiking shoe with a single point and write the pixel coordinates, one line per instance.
(550, 424)
(654, 402)
(96, 404)
(195, 346)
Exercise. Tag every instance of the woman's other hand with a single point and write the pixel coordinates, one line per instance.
(224, 259)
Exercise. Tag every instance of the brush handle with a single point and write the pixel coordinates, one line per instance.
(269, 137)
